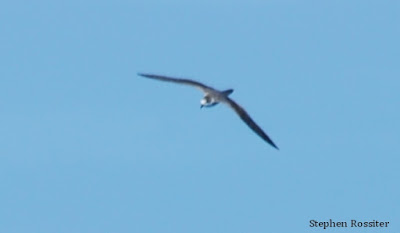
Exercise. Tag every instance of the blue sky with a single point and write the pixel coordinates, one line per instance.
(88, 146)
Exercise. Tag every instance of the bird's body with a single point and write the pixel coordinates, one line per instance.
(212, 97)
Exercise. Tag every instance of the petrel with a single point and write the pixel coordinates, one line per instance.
(213, 97)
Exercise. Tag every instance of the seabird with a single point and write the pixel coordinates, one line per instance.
(212, 97)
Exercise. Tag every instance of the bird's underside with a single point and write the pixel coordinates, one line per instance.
(213, 97)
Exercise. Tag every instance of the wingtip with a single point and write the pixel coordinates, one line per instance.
(275, 146)
(147, 75)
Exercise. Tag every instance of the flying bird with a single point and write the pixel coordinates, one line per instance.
(213, 97)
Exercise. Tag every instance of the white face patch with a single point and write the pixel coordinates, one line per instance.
(203, 101)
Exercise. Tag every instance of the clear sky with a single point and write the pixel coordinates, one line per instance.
(88, 146)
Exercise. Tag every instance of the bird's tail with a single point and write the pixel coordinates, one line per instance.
(227, 92)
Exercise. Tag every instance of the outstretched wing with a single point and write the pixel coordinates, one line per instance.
(189, 82)
(247, 119)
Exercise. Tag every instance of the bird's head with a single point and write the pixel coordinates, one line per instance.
(203, 102)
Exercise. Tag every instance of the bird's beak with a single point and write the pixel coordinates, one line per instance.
(201, 106)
